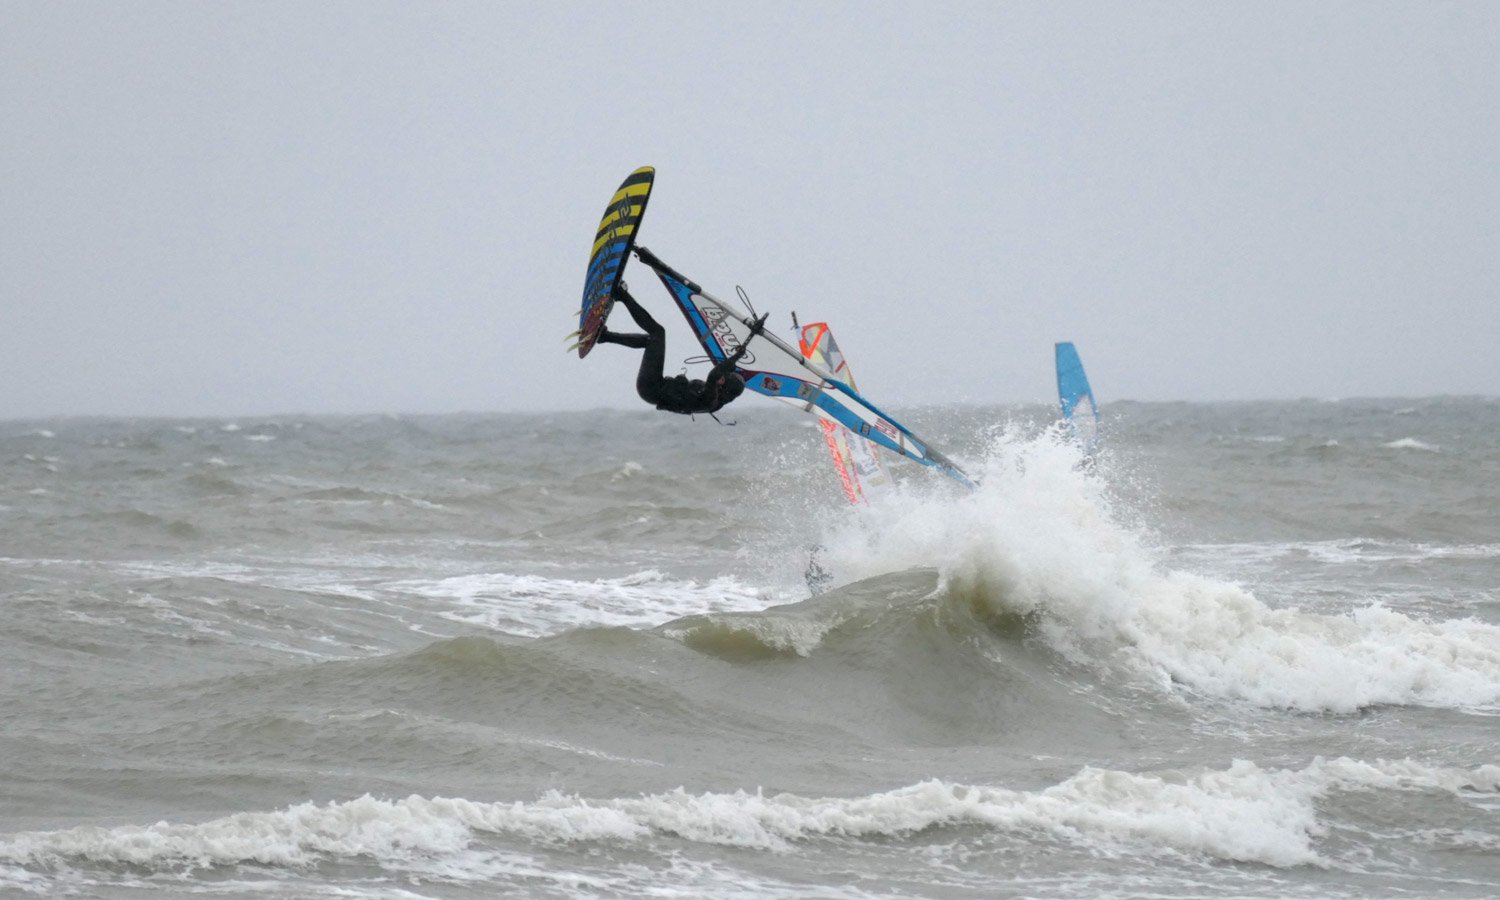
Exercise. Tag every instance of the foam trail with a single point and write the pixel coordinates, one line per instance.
(1040, 536)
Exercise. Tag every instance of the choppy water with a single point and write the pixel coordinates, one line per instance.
(1253, 651)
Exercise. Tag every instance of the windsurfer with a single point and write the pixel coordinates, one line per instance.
(677, 394)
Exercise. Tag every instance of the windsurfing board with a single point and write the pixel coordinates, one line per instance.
(613, 241)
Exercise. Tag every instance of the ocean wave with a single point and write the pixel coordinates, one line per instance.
(798, 629)
(1041, 538)
(1343, 551)
(1243, 813)
(534, 605)
(131, 520)
(360, 496)
(1409, 443)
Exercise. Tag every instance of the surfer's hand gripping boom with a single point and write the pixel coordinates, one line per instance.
(756, 327)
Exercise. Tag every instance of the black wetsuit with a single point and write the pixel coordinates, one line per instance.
(677, 394)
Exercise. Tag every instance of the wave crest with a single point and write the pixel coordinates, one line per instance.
(1041, 542)
(1243, 814)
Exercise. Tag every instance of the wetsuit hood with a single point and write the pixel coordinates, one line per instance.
(733, 385)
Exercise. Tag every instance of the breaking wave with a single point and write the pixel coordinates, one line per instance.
(1042, 539)
(1243, 813)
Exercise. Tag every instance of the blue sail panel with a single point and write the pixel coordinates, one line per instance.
(836, 402)
(682, 292)
(1075, 397)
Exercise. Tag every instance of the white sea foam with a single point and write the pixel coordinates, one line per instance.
(1411, 444)
(1350, 550)
(532, 605)
(1040, 536)
(1408, 552)
(1243, 813)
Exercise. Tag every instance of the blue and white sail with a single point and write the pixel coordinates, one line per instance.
(773, 367)
(1076, 397)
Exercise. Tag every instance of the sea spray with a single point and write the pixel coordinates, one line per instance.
(1041, 538)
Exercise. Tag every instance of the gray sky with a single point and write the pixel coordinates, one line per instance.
(240, 208)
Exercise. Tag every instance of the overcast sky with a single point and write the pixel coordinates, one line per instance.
(242, 208)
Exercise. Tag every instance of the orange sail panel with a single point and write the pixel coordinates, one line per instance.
(857, 462)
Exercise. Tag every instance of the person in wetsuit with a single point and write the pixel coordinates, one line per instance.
(677, 394)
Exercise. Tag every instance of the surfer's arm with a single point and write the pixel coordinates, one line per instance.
(725, 366)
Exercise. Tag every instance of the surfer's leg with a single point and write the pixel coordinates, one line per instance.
(642, 318)
(638, 341)
(648, 381)
(638, 312)
(654, 345)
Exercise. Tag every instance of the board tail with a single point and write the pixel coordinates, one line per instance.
(1076, 398)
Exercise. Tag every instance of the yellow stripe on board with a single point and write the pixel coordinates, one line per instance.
(610, 219)
(636, 188)
(631, 190)
(621, 231)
